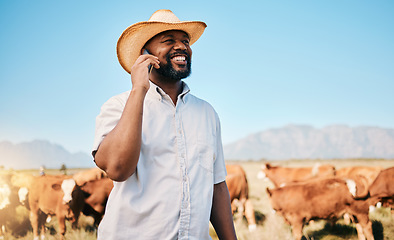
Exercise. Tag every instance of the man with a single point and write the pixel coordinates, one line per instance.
(160, 144)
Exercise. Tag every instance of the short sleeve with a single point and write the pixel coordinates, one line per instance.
(109, 116)
(219, 165)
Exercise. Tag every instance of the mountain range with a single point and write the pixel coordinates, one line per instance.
(307, 142)
(32, 155)
(288, 142)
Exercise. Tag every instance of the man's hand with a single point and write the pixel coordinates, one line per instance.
(140, 71)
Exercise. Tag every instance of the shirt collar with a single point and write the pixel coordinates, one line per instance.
(156, 92)
(185, 91)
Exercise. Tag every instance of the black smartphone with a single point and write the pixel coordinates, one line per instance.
(150, 65)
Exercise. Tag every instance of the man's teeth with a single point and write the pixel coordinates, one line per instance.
(179, 58)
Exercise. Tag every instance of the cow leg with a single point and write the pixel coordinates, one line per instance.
(239, 206)
(41, 223)
(97, 219)
(297, 230)
(34, 223)
(234, 205)
(75, 219)
(366, 228)
(360, 212)
(249, 214)
(360, 233)
(2, 231)
(62, 226)
(347, 219)
(296, 223)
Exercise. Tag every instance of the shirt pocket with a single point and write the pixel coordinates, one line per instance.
(206, 145)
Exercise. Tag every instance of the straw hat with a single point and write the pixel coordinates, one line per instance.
(134, 37)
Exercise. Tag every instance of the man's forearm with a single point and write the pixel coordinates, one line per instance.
(221, 216)
(119, 151)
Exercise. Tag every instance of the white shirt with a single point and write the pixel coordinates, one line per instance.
(170, 194)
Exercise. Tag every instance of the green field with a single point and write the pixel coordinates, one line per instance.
(269, 225)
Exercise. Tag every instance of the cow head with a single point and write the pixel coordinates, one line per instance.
(5, 193)
(277, 203)
(358, 186)
(22, 194)
(67, 188)
(261, 174)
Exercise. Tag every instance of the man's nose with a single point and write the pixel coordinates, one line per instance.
(180, 45)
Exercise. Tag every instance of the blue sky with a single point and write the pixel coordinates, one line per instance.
(261, 64)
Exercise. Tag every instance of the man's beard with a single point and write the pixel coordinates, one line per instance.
(168, 71)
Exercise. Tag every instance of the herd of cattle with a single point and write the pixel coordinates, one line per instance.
(63, 196)
(305, 194)
(300, 195)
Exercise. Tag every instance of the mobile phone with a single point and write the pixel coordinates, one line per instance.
(150, 65)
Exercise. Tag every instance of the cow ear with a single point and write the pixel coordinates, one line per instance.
(56, 186)
(268, 166)
(269, 192)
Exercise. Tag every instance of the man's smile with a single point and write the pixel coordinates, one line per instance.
(179, 59)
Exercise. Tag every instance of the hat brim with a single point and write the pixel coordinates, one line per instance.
(134, 38)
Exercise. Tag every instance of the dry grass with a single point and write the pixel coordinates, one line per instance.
(21, 228)
(269, 225)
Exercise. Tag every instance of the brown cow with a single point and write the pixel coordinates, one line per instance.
(382, 189)
(23, 182)
(320, 199)
(89, 175)
(281, 176)
(237, 184)
(54, 195)
(96, 194)
(369, 172)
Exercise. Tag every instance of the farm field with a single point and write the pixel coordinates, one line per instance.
(269, 225)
